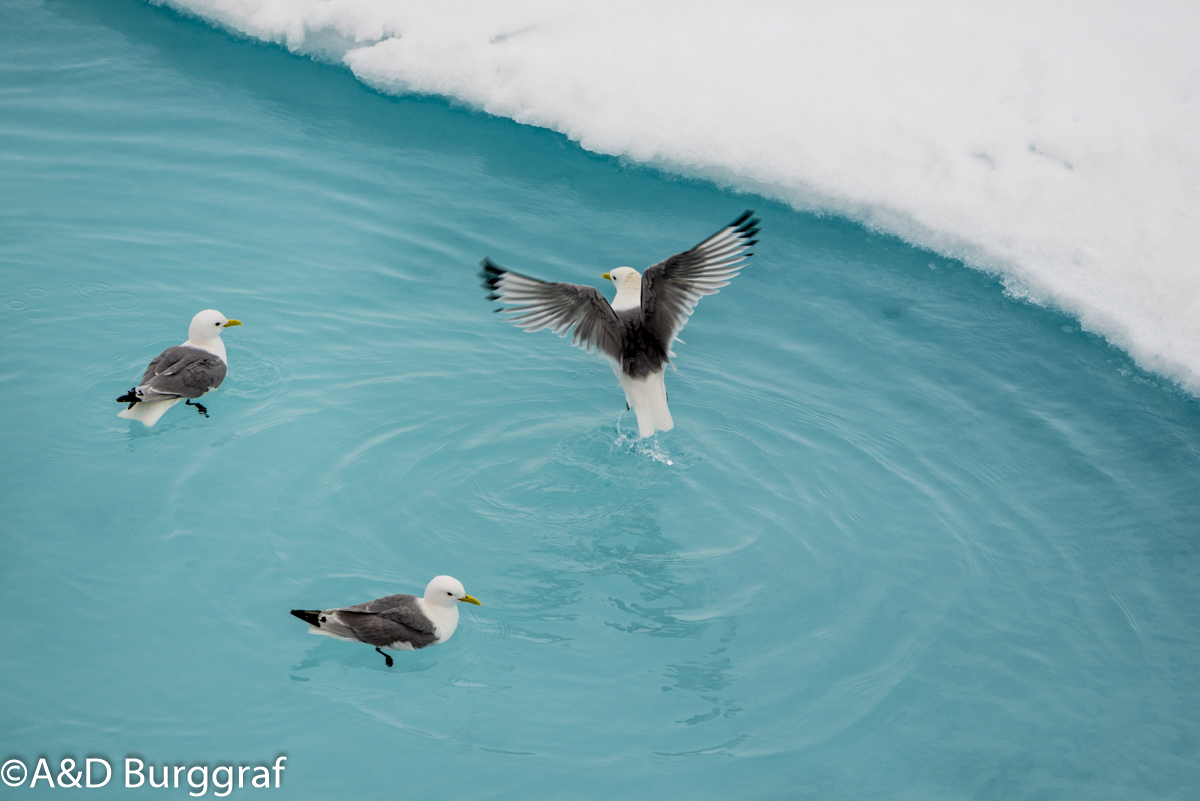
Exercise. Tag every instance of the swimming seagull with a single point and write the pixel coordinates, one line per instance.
(183, 372)
(395, 622)
(635, 332)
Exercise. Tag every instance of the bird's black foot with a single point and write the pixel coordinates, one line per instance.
(199, 407)
(387, 659)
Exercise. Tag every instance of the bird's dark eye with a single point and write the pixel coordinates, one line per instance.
(449, 593)
(217, 324)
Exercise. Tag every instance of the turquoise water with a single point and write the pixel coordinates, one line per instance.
(909, 539)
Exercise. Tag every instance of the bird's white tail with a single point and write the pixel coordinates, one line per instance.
(648, 399)
(148, 413)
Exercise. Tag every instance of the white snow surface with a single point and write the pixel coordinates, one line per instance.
(1055, 143)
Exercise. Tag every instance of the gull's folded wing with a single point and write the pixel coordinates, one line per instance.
(384, 621)
(181, 372)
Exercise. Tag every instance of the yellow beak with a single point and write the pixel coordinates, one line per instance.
(469, 600)
(233, 322)
(607, 275)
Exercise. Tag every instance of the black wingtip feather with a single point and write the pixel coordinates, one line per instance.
(129, 397)
(312, 617)
(747, 224)
(747, 214)
(490, 274)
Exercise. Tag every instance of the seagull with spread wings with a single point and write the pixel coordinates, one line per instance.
(635, 332)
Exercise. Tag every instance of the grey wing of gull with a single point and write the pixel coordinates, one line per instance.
(384, 621)
(560, 307)
(181, 372)
(671, 288)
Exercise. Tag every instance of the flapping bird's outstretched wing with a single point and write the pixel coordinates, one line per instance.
(560, 307)
(671, 288)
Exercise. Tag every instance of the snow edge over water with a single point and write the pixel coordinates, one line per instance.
(1052, 144)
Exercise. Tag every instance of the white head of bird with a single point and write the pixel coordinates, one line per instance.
(447, 591)
(628, 282)
(205, 331)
